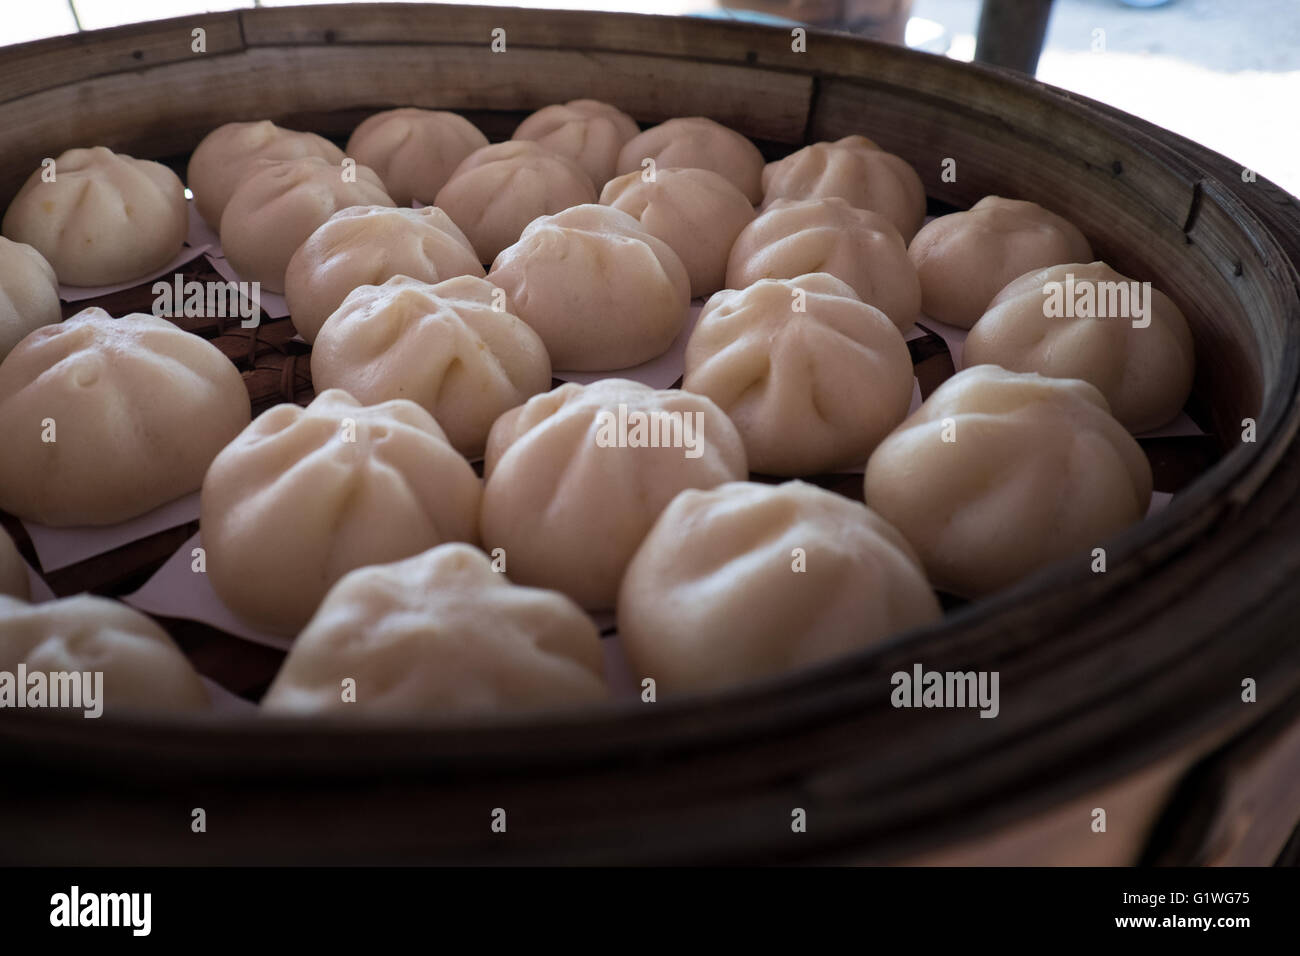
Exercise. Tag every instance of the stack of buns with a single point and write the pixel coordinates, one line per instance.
(440, 280)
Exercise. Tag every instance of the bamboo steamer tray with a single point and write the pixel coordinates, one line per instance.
(1119, 690)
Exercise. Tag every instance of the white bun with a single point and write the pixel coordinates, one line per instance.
(499, 189)
(569, 507)
(746, 581)
(303, 496)
(810, 391)
(414, 151)
(225, 156)
(446, 347)
(139, 409)
(696, 211)
(368, 245)
(444, 634)
(105, 217)
(143, 668)
(279, 204)
(794, 237)
(29, 293)
(701, 143)
(588, 132)
(1144, 370)
(999, 473)
(966, 258)
(853, 169)
(601, 291)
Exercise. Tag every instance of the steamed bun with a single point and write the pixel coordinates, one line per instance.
(588, 132)
(447, 347)
(499, 189)
(746, 581)
(811, 390)
(227, 154)
(853, 169)
(13, 569)
(105, 218)
(999, 473)
(1145, 370)
(414, 151)
(29, 293)
(696, 211)
(601, 292)
(279, 204)
(441, 633)
(304, 495)
(699, 143)
(571, 492)
(966, 258)
(367, 245)
(143, 669)
(136, 407)
(793, 237)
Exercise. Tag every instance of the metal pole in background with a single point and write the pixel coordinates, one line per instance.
(1011, 33)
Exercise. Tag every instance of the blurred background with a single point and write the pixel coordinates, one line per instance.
(1223, 72)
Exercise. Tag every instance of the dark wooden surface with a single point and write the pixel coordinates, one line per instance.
(1102, 675)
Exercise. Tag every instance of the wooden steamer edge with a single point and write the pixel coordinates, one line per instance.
(1204, 588)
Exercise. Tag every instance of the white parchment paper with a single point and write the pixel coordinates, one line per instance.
(60, 547)
(176, 590)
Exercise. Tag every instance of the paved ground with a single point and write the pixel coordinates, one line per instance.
(1221, 35)
(1223, 72)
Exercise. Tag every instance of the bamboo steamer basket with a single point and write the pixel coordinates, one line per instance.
(1120, 691)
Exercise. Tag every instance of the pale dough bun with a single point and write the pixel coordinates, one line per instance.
(13, 569)
(601, 291)
(106, 217)
(700, 143)
(1037, 470)
(747, 581)
(414, 151)
(442, 634)
(570, 493)
(966, 258)
(1145, 372)
(588, 132)
(368, 245)
(793, 237)
(143, 668)
(226, 154)
(446, 347)
(279, 204)
(303, 496)
(139, 409)
(499, 189)
(853, 169)
(29, 293)
(810, 391)
(696, 211)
